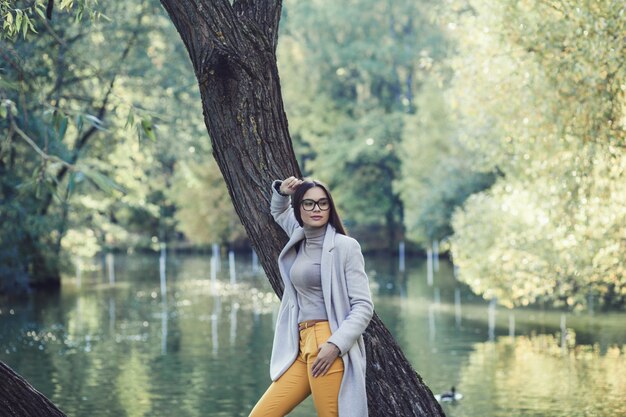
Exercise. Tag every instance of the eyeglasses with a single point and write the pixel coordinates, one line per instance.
(309, 205)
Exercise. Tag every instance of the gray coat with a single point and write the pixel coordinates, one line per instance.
(348, 306)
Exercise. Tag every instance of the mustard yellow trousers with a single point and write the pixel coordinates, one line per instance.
(297, 382)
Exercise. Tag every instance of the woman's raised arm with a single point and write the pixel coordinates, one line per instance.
(280, 207)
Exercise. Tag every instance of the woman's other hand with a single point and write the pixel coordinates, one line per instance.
(326, 355)
(290, 185)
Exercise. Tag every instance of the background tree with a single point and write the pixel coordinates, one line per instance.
(361, 69)
(539, 90)
(204, 212)
(82, 103)
(44, 157)
(438, 171)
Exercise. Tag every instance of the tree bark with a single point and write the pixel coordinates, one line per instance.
(20, 399)
(233, 51)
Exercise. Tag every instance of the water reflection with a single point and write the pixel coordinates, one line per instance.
(217, 304)
(457, 307)
(537, 375)
(432, 330)
(201, 345)
(164, 319)
(234, 308)
(512, 326)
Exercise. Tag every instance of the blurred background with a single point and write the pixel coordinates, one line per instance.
(474, 148)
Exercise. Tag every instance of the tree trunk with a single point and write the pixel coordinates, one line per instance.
(233, 52)
(20, 399)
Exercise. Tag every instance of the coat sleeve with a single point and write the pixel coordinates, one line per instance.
(281, 210)
(361, 306)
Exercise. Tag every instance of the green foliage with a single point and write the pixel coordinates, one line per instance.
(20, 17)
(77, 102)
(18, 21)
(347, 86)
(437, 169)
(377, 129)
(540, 88)
(408, 110)
(204, 210)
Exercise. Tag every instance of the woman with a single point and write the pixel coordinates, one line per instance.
(326, 306)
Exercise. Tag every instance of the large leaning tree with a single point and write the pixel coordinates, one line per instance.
(232, 47)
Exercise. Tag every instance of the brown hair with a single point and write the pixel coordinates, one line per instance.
(296, 200)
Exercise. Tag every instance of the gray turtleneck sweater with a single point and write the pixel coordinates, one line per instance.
(306, 275)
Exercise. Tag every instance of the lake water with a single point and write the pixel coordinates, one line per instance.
(203, 347)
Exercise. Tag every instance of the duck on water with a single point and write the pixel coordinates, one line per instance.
(449, 396)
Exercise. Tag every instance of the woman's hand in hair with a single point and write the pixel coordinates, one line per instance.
(290, 185)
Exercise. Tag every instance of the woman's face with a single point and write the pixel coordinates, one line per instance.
(315, 217)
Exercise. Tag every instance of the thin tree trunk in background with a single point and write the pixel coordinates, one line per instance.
(233, 52)
(19, 399)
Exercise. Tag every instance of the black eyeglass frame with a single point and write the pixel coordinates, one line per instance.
(315, 203)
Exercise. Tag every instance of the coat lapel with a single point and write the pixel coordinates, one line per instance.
(326, 265)
(286, 258)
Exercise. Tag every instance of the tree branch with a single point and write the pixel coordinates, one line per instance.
(49, 9)
(84, 138)
(41, 152)
(266, 14)
(82, 141)
(218, 35)
(210, 19)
